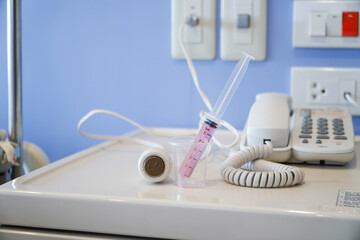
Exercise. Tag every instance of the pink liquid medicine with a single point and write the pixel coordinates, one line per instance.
(207, 130)
(193, 156)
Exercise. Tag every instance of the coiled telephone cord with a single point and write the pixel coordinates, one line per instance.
(248, 169)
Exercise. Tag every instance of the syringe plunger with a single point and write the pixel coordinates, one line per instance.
(213, 120)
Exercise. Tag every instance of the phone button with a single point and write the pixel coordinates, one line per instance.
(322, 137)
(305, 136)
(322, 120)
(306, 131)
(322, 132)
(323, 128)
(340, 137)
(305, 141)
(337, 120)
(318, 141)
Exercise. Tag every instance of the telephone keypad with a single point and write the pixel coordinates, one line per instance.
(322, 135)
(322, 128)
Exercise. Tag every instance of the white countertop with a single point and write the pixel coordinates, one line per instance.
(100, 190)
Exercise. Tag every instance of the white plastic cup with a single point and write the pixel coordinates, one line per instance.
(180, 147)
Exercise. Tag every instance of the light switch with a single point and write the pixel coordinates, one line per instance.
(350, 27)
(243, 29)
(339, 30)
(243, 9)
(318, 24)
(243, 21)
(334, 24)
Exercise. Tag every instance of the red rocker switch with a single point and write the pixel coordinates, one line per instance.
(350, 24)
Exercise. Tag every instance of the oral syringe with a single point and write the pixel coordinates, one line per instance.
(213, 119)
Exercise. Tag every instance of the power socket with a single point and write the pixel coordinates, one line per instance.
(322, 91)
(347, 86)
(200, 39)
(325, 87)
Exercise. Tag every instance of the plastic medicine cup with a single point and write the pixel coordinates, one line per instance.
(180, 147)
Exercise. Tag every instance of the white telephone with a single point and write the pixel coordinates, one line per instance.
(311, 135)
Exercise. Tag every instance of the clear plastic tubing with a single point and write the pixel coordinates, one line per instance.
(214, 117)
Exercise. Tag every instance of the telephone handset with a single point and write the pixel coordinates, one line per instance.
(269, 119)
(310, 135)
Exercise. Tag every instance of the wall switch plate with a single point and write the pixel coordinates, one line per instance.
(319, 24)
(325, 87)
(236, 36)
(199, 40)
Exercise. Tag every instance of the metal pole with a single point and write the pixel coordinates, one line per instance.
(14, 78)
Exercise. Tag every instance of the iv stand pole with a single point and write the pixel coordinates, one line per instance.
(14, 79)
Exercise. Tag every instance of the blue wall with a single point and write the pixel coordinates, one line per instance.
(115, 54)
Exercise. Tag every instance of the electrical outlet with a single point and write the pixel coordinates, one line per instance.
(347, 86)
(322, 91)
(325, 87)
